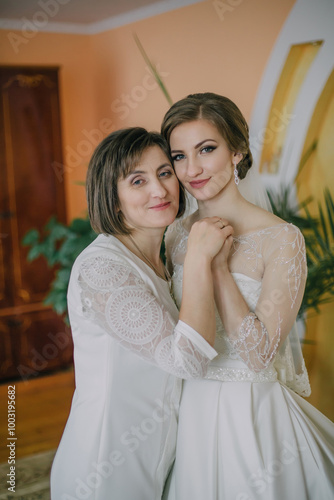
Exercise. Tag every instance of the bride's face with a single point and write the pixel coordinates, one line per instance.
(202, 160)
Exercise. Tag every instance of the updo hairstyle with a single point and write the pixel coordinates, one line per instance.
(222, 113)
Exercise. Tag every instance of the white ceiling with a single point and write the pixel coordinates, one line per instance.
(81, 16)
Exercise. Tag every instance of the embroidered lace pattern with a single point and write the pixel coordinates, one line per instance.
(269, 268)
(284, 364)
(253, 343)
(115, 297)
(227, 374)
(289, 252)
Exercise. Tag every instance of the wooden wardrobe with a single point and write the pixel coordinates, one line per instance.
(33, 339)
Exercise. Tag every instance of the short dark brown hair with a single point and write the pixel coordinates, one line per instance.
(113, 159)
(221, 112)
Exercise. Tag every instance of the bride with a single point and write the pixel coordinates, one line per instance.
(244, 433)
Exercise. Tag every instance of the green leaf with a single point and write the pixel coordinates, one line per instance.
(60, 285)
(34, 253)
(330, 211)
(52, 222)
(81, 226)
(154, 70)
(319, 240)
(57, 301)
(30, 238)
(64, 275)
(323, 225)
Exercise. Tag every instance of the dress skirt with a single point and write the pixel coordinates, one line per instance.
(250, 441)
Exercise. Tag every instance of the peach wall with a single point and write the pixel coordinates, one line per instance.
(104, 83)
(76, 91)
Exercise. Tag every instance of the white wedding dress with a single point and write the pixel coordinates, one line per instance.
(244, 433)
(129, 352)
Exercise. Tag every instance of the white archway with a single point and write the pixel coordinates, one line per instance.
(308, 21)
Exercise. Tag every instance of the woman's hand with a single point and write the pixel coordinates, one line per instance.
(208, 237)
(220, 261)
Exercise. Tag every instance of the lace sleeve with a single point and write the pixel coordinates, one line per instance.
(262, 332)
(117, 299)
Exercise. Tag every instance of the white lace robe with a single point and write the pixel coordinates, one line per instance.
(129, 352)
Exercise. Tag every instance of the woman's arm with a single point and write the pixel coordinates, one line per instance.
(257, 336)
(198, 306)
(114, 297)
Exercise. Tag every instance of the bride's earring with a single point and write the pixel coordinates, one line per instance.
(236, 175)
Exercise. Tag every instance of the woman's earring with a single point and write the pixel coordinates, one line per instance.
(236, 175)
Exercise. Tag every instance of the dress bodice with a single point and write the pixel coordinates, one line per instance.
(227, 365)
(277, 252)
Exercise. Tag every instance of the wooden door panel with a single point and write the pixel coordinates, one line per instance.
(33, 339)
(6, 275)
(30, 108)
(7, 355)
(32, 344)
(45, 343)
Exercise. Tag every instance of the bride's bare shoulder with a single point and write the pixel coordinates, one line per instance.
(266, 218)
(256, 219)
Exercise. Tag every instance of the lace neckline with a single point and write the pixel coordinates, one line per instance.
(259, 231)
(243, 275)
(245, 235)
(167, 282)
(123, 247)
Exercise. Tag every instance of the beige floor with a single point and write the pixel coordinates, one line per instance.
(42, 407)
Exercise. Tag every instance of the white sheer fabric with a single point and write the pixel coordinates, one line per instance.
(243, 434)
(269, 267)
(289, 360)
(129, 350)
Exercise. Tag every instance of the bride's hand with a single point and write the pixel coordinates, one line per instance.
(208, 236)
(220, 261)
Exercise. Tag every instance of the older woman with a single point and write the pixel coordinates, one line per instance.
(130, 343)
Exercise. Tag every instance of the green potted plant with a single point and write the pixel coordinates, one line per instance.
(59, 245)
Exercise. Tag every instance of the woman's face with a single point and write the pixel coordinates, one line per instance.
(149, 195)
(202, 160)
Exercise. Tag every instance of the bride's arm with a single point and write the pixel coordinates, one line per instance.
(198, 306)
(257, 335)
